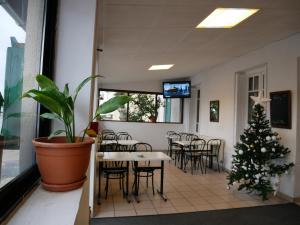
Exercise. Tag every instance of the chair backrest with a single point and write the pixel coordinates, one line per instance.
(109, 136)
(142, 147)
(113, 147)
(214, 145)
(183, 136)
(197, 145)
(174, 137)
(170, 132)
(190, 137)
(107, 131)
(123, 136)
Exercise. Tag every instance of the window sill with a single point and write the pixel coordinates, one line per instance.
(48, 208)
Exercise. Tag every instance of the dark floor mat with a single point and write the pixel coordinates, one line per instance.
(283, 214)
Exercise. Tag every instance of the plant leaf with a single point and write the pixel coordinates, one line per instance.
(44, 99)
(45, 82)
(66, 90)
(55, 133)
(80, 86)
(112, 104)
(50, 116)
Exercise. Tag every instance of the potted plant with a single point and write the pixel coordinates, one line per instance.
(145, 107)
(63, 160)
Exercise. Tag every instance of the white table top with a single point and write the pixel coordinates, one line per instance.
(120, 142)
(150, 156)
(114, 156)
(131, 156)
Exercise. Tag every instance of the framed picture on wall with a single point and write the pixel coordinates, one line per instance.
(214, 111)
(281, 115)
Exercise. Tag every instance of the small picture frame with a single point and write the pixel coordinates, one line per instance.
(281, 109)
(214, 107)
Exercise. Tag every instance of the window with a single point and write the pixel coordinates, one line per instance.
(145, 107)
(255, 85)
(24, 27)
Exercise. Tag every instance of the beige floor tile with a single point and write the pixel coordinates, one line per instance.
(185, 193)
(143, 205)
(125, 213)
(182, 209)
(123, 206)
(180, 202)
(169, 210)
(104, 214)
(162, 204)
(204, 207)
(221, 205)
(146, 212)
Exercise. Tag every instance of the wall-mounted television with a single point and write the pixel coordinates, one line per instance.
(177, 89)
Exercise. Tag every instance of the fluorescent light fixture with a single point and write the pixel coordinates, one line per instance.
(161, 67)
(226, 17)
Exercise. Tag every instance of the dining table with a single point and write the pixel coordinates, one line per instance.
(134, 157)
(185, 144)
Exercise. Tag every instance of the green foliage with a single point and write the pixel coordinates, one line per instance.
(259, 158)
(1, 102)
(12, 95)
(142, 107)
(61, 104)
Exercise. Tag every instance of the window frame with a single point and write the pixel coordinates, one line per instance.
(141, 92)
(14, 192)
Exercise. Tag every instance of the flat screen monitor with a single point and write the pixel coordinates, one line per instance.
(177, 89)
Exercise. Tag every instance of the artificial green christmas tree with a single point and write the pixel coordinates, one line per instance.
(259, 158)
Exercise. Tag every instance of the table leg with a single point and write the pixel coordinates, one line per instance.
(136, 192)
(181, 158)
(211, 158)
(127, 183)
(171, 150)
(161, 191)
(99, 183)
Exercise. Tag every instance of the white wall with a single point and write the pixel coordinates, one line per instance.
(73, 61)
(219, 83)
(152, 133)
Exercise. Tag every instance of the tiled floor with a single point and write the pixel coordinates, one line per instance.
(185, 192)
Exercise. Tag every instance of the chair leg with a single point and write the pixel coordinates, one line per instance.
(192, 166)
(138, 183)
(153, 183)
(123, 176)
(147, 179)
(218, 164)
(106, 186)
(120, 184)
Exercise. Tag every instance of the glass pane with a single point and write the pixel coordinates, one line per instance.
(119, 114)
(169, 110)
(250, 83)
(256, 82)
(143, 108)
(251, 104)
(21, 27)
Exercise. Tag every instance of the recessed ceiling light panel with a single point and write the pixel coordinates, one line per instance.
(161, 67)
(226, 17)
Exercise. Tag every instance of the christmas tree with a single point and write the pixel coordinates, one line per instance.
(259, 158)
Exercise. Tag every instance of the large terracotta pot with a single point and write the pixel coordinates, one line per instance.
(62, 165)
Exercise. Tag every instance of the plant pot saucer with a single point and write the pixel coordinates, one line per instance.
(63, 187)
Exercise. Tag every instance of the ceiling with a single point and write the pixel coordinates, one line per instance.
(135, 34)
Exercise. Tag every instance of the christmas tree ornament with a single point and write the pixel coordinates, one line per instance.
(260, 100)
(255, 169)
